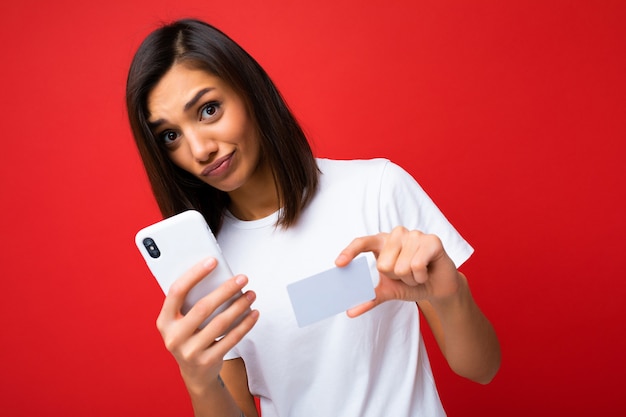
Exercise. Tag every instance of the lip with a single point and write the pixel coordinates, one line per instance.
(215, 167)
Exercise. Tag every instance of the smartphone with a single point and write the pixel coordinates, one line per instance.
(170, 247)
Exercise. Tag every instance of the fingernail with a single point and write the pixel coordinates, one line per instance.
(250, 296)
(209, 262)
(240, 280)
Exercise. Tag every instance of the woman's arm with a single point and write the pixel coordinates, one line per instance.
(213, 399)
(413, 266)
(199, 355)
(466, 338)
(236, 380)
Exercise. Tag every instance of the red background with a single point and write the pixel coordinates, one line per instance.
(510, 114)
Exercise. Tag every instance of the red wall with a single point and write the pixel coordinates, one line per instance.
(510, 114)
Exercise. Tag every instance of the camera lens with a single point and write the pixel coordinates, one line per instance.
(152, 248)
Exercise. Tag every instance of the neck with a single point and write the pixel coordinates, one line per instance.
(257, 199)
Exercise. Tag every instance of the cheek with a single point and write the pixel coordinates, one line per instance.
(248, 136)
(242, 123)
(180, 158)
(253, 145)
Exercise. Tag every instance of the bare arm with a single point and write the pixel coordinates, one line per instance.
(466, 338)
(213, 399)
(414, 267)
(236, 380)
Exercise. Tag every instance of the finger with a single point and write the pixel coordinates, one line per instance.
(361, 308)
(386, 260)
(229, 291)
(430, 250)
(229, 318)
(359, 245)
(394, 260)
(179, 289)
(182, 334)
(410, 260)
(220, 348)
(232, 315)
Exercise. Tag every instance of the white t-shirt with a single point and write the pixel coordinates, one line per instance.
(371, 366)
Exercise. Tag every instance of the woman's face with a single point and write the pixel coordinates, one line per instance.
(206, 128)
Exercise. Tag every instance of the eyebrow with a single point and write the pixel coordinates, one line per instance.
(197, 97)
(187, 106)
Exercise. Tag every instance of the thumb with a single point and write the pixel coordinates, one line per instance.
(362, 308)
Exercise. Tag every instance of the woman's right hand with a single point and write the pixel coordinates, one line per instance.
(199, 355)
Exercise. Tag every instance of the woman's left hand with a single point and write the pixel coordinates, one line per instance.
(413, 266)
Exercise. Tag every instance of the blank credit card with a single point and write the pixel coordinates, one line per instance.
(331, 292)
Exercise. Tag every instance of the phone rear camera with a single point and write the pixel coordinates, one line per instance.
(152, 248)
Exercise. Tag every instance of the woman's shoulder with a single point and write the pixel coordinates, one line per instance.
(346, 166)
(361, 169)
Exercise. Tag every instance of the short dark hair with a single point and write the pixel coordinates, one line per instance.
(284, 145)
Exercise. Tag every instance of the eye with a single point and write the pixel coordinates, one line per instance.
(168, 137)
(210, 110)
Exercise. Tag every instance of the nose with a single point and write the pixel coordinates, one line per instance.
(201, 145)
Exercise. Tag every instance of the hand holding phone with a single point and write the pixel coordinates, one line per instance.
(173, 245)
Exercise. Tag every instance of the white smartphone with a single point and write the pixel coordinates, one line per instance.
(170, 247)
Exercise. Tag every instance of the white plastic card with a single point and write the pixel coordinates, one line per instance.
(331, 292)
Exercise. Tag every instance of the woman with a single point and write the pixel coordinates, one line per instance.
(215, 135)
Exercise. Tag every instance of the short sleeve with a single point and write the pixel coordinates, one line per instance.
(231, 354)
(403, 202)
